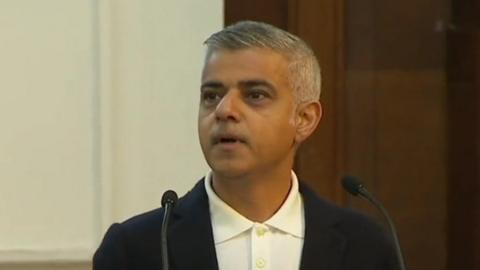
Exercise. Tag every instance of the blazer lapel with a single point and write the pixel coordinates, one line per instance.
(324, 246)
(191, 237)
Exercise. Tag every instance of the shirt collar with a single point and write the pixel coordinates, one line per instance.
(290, 217)
(228, 223)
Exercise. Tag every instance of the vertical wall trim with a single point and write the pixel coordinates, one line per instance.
(96, 122)
(104, 184)
(340, 87)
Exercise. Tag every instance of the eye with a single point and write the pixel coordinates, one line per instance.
(256, 95)
(210, 97)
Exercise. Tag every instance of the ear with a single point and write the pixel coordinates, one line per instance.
(308, 116)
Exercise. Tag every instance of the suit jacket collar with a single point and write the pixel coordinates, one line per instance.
(324, 245)
(191, 237)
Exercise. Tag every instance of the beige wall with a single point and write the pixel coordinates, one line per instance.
(98, 104)
(46, 266)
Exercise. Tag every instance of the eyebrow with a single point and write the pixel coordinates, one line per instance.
(243, 84)
(212, 84)
(251, 83)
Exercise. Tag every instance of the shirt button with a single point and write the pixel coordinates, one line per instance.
(260, 263)
(261, 231)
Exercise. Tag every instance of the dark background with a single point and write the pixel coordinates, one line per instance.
(401, 98)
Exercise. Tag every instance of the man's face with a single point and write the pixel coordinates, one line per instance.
(246, 118)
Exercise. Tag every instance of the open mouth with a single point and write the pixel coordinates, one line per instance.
(227, 140)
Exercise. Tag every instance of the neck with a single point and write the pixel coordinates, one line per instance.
(256, 197)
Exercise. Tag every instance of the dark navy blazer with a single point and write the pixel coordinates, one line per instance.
(335, 238)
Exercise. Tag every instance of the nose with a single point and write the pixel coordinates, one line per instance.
(228, 109)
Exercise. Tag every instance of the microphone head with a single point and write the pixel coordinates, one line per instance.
(351, 184)
(169, 197)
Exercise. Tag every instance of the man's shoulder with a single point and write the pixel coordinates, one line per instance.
(152, 220)
(349, 222)
(359, 227)
(360, 238)
(138, 238)
(144, 222)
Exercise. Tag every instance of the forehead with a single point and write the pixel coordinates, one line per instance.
(244, 64)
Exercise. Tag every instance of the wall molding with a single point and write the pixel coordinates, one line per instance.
(58, 255)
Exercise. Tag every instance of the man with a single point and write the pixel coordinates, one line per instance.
(258, 102)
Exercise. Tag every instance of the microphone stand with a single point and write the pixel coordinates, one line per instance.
(169, 199)
(354, 187)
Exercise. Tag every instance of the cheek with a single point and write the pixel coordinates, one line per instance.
(279, 133)
(203, 131)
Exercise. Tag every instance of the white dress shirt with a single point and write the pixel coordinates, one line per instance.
(242, 244)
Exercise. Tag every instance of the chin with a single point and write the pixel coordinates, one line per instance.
(229, 170)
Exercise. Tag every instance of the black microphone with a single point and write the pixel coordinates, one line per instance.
(354, 187)
(169, 199)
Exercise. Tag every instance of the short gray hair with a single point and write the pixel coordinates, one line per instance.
(304, 71)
